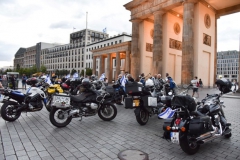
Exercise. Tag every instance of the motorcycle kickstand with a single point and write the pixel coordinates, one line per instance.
(80, 119)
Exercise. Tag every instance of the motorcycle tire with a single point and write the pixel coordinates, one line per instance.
(142, 117)
(48, 106)
(107, 112)
(53, 120)
(187, 147)
(4, 112)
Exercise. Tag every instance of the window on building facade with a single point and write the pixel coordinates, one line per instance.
(115, 42)
(111, 43)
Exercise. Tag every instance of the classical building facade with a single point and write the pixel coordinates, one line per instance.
(117, 48)
(177, 37)
(228, 65)
(73, 55)
(19, 58)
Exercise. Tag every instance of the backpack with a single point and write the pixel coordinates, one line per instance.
(198, 84)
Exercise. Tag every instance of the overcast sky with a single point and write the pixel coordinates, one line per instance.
(23, 23)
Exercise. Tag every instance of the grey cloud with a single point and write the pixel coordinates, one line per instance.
(7, 51)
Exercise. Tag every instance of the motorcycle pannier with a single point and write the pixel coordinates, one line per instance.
(128, 102)
(133, 87)
(200, 125)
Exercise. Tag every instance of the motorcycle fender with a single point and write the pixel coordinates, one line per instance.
(182, 124)
(137, 111)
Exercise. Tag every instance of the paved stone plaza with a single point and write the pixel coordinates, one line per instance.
(32, 136)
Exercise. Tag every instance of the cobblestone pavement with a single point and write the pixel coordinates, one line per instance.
(32, 136)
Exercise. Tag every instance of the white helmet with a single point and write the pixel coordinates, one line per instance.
(149, 83)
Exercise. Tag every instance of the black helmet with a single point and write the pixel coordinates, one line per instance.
(85, 84)
(32, 81)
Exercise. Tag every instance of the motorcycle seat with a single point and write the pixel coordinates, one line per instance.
(79, 97)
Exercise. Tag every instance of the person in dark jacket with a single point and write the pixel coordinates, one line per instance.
(12, 79)
(129, 78)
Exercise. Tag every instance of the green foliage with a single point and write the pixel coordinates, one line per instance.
(82, 73)
(43, 69)
(88, 71)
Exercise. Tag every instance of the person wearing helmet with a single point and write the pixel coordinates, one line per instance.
(86, 85)
(129, 78)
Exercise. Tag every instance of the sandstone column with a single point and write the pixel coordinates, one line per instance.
(127, 61)
(118, 61)
(157, 42)
(94, 65)
(101, 65)
(109, 67)
(188, 42)
(135, 54)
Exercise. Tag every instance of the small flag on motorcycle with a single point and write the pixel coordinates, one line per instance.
(75, 75)
(168, 113)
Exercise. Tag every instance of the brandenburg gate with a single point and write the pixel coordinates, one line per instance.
(178, 37)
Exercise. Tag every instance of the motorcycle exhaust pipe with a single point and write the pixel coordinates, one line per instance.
(208, 139)
(72, 112)
(203, 136)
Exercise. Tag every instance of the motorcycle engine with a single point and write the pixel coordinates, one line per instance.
(35, 102)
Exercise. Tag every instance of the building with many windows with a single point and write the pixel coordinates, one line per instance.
(19, 58)
(228, 65)
(71, 56)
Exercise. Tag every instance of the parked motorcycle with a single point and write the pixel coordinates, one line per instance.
(17, 102)
(88, 103)
(194, 125)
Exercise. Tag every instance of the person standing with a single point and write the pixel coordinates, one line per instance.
(12, 79)
(200, 83)
(235, 85)
(24, 79)
(195, 84)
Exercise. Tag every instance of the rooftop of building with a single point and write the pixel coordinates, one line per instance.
(20, 51)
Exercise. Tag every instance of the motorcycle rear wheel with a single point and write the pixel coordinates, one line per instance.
(142, 117)
(7, 112)
(54, 119)
(188, 147)
(107, 112)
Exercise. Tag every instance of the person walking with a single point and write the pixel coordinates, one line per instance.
(195, 84)
(235, 85)
(24, 79)
(200, 83)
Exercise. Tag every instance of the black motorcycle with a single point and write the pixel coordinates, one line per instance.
(88, 102)
(190, 127)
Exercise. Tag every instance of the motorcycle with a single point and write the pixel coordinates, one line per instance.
(140, 98)
(192, 125)
(88, 103)
(16, 102)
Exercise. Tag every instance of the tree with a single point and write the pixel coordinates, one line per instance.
(57, 72)
(88, 71)
(82, 73)
(73, 71)
(43, 69)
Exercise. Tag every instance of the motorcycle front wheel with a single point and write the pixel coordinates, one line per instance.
(49, 102)
(8, 112)
(59, 117)
(107, 112)
(142, 117)
(188, 147)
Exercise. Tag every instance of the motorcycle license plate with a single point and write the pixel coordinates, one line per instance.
(175, 137)
(61, 99)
